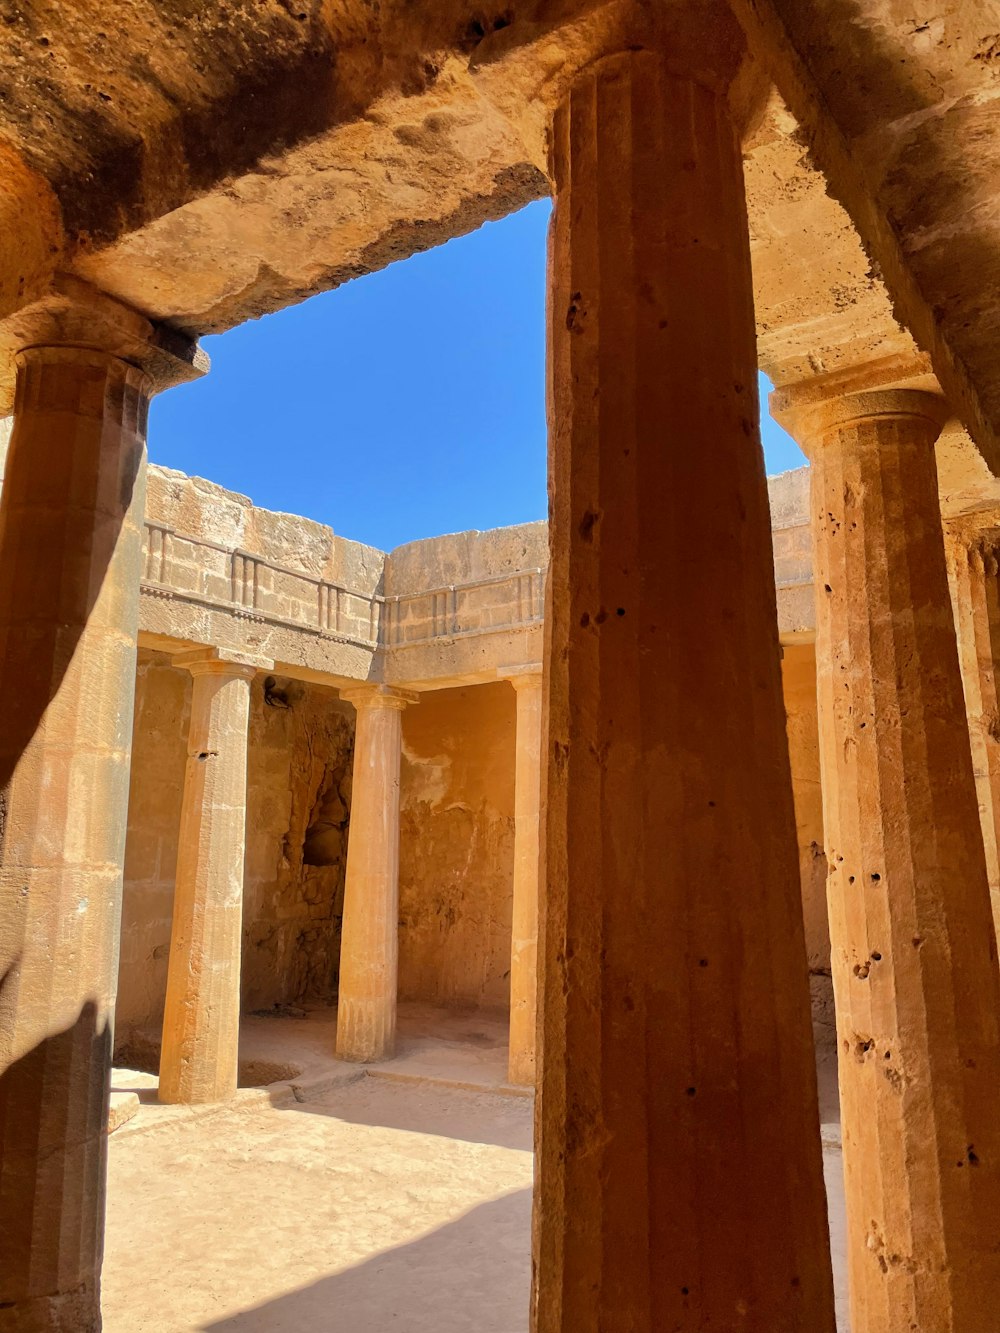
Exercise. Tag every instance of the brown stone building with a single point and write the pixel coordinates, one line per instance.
(809, 188)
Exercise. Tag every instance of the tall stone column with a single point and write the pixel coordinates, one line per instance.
(70, 551)
(680, 1176)
(201, 1018)
(369, 945)
(913, 949)
(975, 585)
(524, 924)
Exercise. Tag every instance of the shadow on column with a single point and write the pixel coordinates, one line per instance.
(44, 1158)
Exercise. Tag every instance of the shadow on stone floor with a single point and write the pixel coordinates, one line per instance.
(472, 1273)
(426, 1108)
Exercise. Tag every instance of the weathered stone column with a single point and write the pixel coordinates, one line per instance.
(70, 550)
(975, 587)
(679, 1177)
(201, 1018)
(913, 950)
(524, 924)
(369, 944)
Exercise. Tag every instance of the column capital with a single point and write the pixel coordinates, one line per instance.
(379, 696)
(811, 415)
(74, 316)
(222, 662)
(522, 675)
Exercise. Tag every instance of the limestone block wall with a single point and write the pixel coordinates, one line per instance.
(298, 812)
(788, 496)
(220, 570)
(458, 606)
(457, 846)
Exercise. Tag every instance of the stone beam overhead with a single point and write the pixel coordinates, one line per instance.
(899, 108)
(344, 135)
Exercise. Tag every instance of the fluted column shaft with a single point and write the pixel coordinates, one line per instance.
(976, 599)
(913, 952)
(70, 549)
(201, 1017)
(524, 922)
(679, 1174)
(369, 945)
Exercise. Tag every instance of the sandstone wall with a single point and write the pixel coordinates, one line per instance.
(162, 711)
(457, 846)
(298, 807)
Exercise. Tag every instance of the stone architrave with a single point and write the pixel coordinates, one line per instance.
(201, 1017)
(913, 948)
(70, 553)
(521, 1062)
(369, 948)
(679, 1173)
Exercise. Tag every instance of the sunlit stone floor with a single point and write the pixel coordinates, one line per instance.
(382, 1203)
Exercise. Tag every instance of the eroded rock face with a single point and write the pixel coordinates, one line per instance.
(457, 846)
(298, 814)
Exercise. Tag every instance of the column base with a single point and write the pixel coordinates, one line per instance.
(76, 1311)
(365, 1033)
(521, 1070)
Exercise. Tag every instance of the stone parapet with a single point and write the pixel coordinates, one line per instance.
(450, 610)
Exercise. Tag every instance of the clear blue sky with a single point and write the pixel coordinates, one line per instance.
(406, 404)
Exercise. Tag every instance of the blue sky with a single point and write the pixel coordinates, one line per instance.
(405, 404)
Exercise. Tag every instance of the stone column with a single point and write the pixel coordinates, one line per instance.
(524, 923)
(70, 554)
(201, 1018)
(975, 586)
(369, 944)
(913, 950)
(679, 1175)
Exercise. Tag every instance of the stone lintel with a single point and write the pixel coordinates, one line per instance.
(75, 314)
(222, 662)
(521, 674)
(379, 696)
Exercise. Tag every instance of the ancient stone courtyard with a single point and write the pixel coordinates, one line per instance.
(397, 1197)
(660, 815)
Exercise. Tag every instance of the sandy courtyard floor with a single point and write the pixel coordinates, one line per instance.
(393, 1201)
(379, 1206)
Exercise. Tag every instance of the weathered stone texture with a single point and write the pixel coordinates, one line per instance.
(298, 812)
(70, 546)
(798, 675)
(913, 949)
(972, 548)
(369, 941)
(677, 1051)
(201, 1016)
(457, 846)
